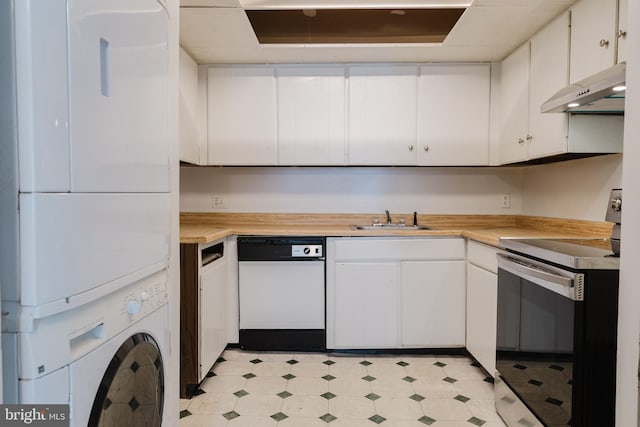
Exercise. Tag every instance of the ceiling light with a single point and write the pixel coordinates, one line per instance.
(619, 88)
(573, 105)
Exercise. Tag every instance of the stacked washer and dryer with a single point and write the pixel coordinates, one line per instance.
(85, 207)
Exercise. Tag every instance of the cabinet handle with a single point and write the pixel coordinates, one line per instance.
(604, 43)
(529, 137)
(520, 140)
(426, 148)
(622, 34)
(411, 148)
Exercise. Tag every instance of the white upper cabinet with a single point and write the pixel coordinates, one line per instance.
(242, 116)
(514, 105)
(623, 11)
(382, 114)
(192, 108)
(548, 71)
(311, 115)
(593, 37)
(531, 75)
(453, 114)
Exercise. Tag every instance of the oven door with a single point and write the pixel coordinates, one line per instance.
(535, 341)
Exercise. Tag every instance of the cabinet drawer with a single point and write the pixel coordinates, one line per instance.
(483, 255)
(410, 248)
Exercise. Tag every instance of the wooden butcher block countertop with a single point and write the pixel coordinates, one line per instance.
(198, 228)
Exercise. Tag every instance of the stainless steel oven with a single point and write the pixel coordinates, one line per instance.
(556, 333)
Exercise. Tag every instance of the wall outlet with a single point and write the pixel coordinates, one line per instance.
(506, 200)
(218, 202)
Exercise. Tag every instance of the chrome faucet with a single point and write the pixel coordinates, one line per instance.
(388, 216)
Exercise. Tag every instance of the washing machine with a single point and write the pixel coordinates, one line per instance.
(106, 359)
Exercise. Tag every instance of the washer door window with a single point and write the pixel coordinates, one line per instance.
(132, 389)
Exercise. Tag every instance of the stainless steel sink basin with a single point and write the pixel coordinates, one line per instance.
(390, 227)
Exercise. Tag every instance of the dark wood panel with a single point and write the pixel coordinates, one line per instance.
(189, 312)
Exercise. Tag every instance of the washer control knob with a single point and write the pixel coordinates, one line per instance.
(144, 296)
(133, 307)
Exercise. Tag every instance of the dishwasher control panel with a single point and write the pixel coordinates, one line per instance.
(306, 251)
(280, 248)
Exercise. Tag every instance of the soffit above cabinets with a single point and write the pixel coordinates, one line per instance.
(218, 31)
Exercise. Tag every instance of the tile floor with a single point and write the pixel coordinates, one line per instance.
(256, 389)
(546, 386)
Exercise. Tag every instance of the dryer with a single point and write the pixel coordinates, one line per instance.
(85, 200)
(107, 358)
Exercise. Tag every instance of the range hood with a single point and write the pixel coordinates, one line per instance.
(602, 93)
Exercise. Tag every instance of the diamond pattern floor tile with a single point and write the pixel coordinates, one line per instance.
(285, 389)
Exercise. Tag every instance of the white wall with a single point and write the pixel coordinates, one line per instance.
(575, 189)
(351, 190)
(629, 310)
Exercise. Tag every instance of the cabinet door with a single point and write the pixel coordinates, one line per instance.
(365, 305)
(311, 115)
(242, 116)
(433, 304)
(192, 107)
(623, 11)
(593, 37)
(213, 314)
(514, 102)
(451, 94)
(382, 115)
(549, 71)
(482, 300)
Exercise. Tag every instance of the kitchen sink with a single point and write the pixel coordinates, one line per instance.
(390, 227)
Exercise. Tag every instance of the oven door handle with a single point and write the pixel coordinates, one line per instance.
(559, 281)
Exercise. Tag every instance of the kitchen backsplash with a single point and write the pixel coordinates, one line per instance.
(350, 189)
(532, 190)
(574, 189)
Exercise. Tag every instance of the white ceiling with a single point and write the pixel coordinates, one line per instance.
(218, 31)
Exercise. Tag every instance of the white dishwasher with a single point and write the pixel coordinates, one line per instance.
(282, 293)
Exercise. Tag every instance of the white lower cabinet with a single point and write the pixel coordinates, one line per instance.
(482, 298)
(204, 309)
(433, 304)
(365, 305)
(395, 292)
(213, 313)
